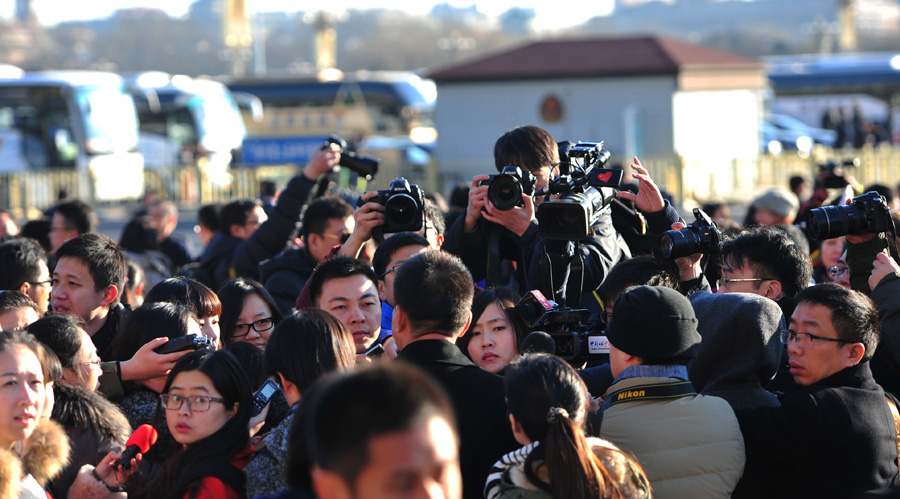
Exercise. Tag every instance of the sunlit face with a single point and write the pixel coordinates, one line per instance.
(18, 318)
(419, 462)
(320, 245)
(820, 358)
(21, 394)
(73, 291)
(386, 284)
(492, 342)
(354, 301)
(763, 216)
(255, 218)
(209, 327)
(255, 309)
(85, 371)
(831, 251)
(187, 425)
(40, 293)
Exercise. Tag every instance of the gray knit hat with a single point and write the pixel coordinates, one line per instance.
(781, 202)
(654, 322)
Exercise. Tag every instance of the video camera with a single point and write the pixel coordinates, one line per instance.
(701, 236)
(364, 166)
(404, 206)
(570, 328)
(583, 198)
(835, 179)
(867, 214)
(505, 189)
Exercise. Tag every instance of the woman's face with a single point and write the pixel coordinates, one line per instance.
(85, 366)
(21, 394)
(209, 326)
(492, 344)
(255, 314)
(186, 423)
(831, 251)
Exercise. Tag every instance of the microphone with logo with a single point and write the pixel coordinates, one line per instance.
(139, 442)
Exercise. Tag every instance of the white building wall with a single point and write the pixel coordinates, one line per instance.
(632, 115)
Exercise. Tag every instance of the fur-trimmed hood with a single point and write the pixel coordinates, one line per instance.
(46, 452)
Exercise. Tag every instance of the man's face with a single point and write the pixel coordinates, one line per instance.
(73, 290)
(763, 216)
(255, 218)
(386, 284)
(320, 244)
(419, 462)
(814, 360)
(40, 292)
(19, 318)
(756, 284)
(60, 231)
(354, 301)
(163, 222)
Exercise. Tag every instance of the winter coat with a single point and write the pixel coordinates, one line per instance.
(46, 453)
(265, 473)
(688, 446)
(285, 275)
(94, 426)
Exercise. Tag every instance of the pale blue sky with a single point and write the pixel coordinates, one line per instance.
(557, 14)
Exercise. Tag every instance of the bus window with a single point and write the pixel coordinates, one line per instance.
(110, 122)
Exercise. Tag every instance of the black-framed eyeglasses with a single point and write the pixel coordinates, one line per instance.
(258, 326)
(47, 283)
(197, 403)
(788, 336)
(342, 237)
(388, 271)
(728, 280)
(838, 270)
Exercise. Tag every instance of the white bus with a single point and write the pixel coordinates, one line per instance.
(81, 120)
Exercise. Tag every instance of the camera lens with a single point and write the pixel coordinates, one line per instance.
(505, 193)
(835, 221)
(400, 210)
(569, 216)
(679, 243)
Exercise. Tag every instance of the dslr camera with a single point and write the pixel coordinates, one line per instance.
(575, 337)
(364, 166)
(867, 214)
(584, 193)
(701, 236)
(834, 178)
(505, 189)
(404, 206)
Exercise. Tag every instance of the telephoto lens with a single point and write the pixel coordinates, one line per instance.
(867, 214)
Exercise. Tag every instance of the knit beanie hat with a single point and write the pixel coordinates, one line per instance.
(781, 202)
(654, 322)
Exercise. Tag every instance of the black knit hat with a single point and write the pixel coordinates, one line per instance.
(654, 322)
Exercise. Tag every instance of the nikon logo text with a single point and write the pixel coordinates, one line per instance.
(631, 394)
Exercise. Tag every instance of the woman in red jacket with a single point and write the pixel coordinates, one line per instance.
(207, 401)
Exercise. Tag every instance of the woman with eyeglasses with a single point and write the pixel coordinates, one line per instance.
(495, 336)
(248, 312)
(207, 405)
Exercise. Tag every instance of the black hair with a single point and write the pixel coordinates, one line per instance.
(883, 190)
(308, 344)
(550, 401)
(642, 270)
(133, 279)
(15, 300)
(385, 251)
(771, 254)
(853, 314)
(529, 147)
(50, 367)
(149, 322)
(351, 409)
(21, 262)
(212, 454)
(319, 212)
(232, 295)
(795, 182)
(139, 235)
(187, 292)
(506, 299)
(37, 230)
(434, 215)
(337, 267)
(102, 256)
(435, 291)
(459, 198)
(208, 216)
(61, 334)
(236, 213)
(267, 188)
(78, 215)
(251, 358)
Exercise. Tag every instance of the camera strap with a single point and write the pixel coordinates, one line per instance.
(657, 391)
(493, 257)
(576, 278)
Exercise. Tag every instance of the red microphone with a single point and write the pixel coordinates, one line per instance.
(139, 442)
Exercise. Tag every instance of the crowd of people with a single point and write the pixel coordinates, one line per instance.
(306, 352)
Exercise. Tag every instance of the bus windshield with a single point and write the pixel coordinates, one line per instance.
(110, 121)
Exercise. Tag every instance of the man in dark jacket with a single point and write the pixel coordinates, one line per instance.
(327, 222)
(433, 296)
(834, 437)
(247, 236)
